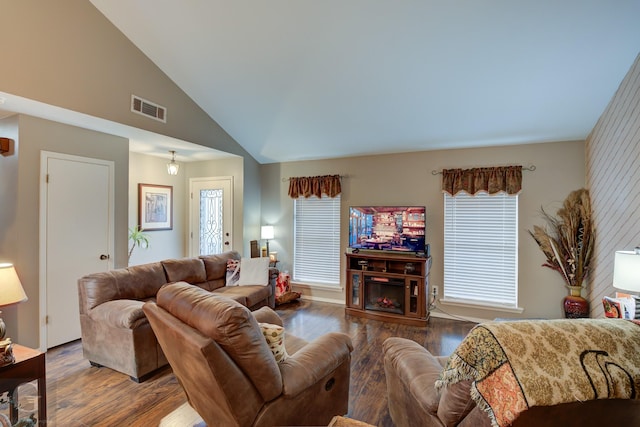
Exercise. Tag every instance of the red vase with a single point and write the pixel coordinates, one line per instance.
(575, 307)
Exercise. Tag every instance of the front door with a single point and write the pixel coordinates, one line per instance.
(76, 237)
(211, 215)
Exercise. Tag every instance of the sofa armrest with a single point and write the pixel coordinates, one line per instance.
(414, 367)
(120, 313)
(273, 278)
(267, 315)
(314, 361)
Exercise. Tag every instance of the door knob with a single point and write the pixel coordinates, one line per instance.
(103, 257)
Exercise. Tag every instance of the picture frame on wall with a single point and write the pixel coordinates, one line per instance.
(155, 207)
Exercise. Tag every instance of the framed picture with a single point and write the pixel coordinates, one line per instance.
(155, 207)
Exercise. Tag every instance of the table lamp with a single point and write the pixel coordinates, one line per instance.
(11, 292)
(266, 233)
(626, 270)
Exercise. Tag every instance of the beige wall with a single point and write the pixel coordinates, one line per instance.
(175, 243)
(66, 53)
(9, 238)
(36, 135)
(233, 167)
(613, 175)
(406, 179)
(164, 244)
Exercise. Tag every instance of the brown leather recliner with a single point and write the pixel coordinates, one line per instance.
(411, 372)
(228, 372)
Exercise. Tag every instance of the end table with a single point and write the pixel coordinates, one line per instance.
(29, 366)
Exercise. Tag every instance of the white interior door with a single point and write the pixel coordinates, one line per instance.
(76, 236)
(211, 215)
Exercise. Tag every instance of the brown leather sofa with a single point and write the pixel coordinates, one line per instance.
(231, 378)
(115, 331)
(411, 373)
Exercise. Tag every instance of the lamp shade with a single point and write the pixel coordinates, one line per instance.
(626, 271)
(11, 291)
(266, 232)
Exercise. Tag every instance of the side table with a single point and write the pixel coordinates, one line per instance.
(29, 366)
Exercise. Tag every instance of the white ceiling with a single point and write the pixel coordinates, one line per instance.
(309, 79)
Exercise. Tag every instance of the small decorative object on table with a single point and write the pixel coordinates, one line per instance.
(568, 244)
(6, 352)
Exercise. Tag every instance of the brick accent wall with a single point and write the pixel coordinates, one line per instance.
(613, 176)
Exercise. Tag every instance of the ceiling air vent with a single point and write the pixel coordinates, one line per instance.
(148, 108)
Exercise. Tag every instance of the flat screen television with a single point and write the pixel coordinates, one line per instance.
(387, 228)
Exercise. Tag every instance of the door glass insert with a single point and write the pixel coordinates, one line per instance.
(211, 215)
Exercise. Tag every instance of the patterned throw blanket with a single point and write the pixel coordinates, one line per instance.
(515, 365)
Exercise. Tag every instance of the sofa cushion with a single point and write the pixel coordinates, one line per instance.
(120, 313)
(136, 283)
(252, 294)
(226, 291)
(190, 270)
(229, 324)
(216, 265)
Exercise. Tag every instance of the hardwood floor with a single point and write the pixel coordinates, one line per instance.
(80, 395)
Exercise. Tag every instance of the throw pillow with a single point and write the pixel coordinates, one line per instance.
(274, 335)
(254, 271)
(233, 272)
(282, 284)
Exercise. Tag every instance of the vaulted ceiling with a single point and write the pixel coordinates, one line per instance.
(310, 79)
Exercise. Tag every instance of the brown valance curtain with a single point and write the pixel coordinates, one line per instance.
(492, 180)
(314, 186)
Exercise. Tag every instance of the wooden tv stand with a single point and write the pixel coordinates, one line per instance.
(388, 287)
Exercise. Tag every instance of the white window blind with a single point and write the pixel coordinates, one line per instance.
(480, 248)
(316, 250)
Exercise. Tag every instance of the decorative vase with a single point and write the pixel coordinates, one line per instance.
(575, 307)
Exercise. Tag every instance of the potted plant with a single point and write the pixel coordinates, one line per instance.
(137, 238)
(567, 240)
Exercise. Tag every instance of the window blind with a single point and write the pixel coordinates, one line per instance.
(316, 251)
(480, 248)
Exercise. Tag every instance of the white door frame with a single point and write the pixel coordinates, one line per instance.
(192, 226)
(42, 277)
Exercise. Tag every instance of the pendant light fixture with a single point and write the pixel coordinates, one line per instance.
(172, 166)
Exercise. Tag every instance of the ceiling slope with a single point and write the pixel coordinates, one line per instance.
(300, 79)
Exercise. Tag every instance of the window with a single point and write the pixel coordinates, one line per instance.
(480, 249)
(316, 245)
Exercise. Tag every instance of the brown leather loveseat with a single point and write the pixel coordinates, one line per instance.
(115, 331)
(602, 359)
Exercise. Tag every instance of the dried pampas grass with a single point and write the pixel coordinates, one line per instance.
(568, 239)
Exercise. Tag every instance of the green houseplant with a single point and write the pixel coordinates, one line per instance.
(137, 239)
(568, 240)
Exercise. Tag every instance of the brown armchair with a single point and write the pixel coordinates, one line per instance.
(411, 373)
(228, 372)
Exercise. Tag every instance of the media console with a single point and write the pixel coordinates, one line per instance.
(388, 287)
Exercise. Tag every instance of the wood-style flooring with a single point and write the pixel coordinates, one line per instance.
(80, 395)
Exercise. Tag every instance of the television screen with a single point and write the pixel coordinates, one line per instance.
(387, 228)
